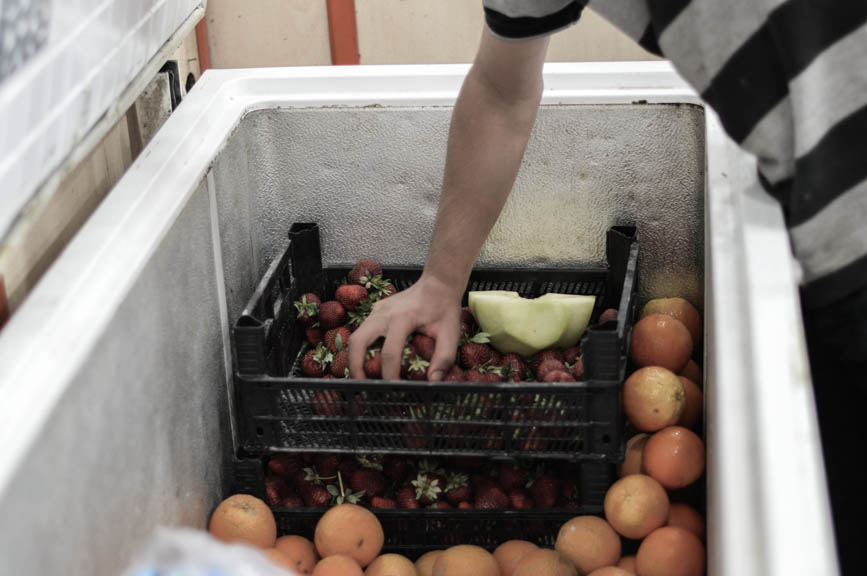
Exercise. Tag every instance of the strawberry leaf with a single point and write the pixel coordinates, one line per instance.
(481, 338)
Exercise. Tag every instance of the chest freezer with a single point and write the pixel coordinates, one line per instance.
(116, 373)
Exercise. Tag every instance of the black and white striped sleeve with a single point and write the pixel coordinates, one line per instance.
(521, 19)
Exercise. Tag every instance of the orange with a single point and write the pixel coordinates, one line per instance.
(653, 398)
(244, 518)
(636, 505)
(338, 565)
(542, 562)
(674, 457)
(671, 551)
(680, 309)
(687, 517)
(350, 530)
(509, 554)
(589, 542)
(660, 340)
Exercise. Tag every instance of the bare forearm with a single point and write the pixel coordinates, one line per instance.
(488, 135)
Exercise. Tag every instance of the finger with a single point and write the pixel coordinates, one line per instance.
(444, 352)
(392, 350)
(360, 341)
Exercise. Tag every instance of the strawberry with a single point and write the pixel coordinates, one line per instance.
(276, 490)
(491, 498)
(327, 403)
(516, 368)
(475, 351)
(337, 339)
(427, 490)
(406, 498)
(571, 354)
(417, 369)
(455, 374)
(568, 487)
(370, 461)
(458, 489)
(558, 376)
(341, 494)
(545, 490)
(350, 296)
(384, 292)
(465, 506)
(313, 335)
(331, 315)
(363, 272)
(496, 359)
(315, 496)
(371, 482)
(482, 482)
(308, 309)
(395, 468)
(373, 364)
(314, 362)
(578, 370)
(424, 346)
(326, 464)
(474, 375)
(359, 315)
(465, 331)
(609, 314)
(407, 355)
(340, 365)
(329, 376)
(348, 467)
(292, 501)
(519, 500)
(433, 471)
(441, 505)
(491, 376)
(467, 316)
(284, 465)
(512, 477)
(378, 502)
(539, 357)
(546, 366)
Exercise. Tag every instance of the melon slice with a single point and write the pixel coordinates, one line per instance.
(526, 326)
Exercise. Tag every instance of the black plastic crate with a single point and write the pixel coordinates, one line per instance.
(414, 532)
(280, 410)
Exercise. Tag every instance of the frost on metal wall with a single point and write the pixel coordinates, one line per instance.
(23, 32)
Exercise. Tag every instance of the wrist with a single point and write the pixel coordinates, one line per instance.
(442, 287)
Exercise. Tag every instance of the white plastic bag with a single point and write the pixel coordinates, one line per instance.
(186, 552)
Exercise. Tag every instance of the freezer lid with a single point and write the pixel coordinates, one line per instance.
(63, 69)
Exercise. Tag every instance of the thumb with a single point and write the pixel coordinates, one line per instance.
(444, 354)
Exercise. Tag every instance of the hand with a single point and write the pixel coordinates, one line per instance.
(429, 307)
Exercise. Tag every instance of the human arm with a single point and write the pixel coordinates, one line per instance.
(490, 126)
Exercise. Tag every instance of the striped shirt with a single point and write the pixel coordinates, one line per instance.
(788, 79)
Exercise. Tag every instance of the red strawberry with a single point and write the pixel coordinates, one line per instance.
(441, 505)
(340, 365)
(539, 357)
(467, 316)
(424, 346)
(326, 464)
(406, 498)
(378, 502)
(496, 359)
(609, 314)
(427, 489)
(308, 309)
(331, 315)
(515, 366)
(491, 376)
(363, 272)
(373, 364)
(491, 498)
(284, 465)
(466, 331)
(276, 490)
(519, 500)
(350, 296)
(315, 496)
(395, 468)
(558, 376)
(512, 477)
(568, 487)
(474, 375)
(292, 501)
(313, 335)
(347, 467)
(571, 354)
(372, 482)
(414, 434)
(417, 369)
(475, 353)
(545, 491)
(455, 374)
(465, 506)
(314, 362)
(578, 370)
(408, 354)
(328, 377)
(387, 290)
(458, 489)
(549, 365)
(337, 339)
(327, 403)
(482, 482)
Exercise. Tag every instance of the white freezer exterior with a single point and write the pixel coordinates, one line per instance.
(114, 373)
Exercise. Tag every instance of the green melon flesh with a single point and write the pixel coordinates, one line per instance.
(526, 326)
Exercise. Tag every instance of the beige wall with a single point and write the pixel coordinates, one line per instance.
(444, 31)
(246, 33)
(251, 33)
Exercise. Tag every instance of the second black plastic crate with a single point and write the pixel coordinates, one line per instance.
(281, 410)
